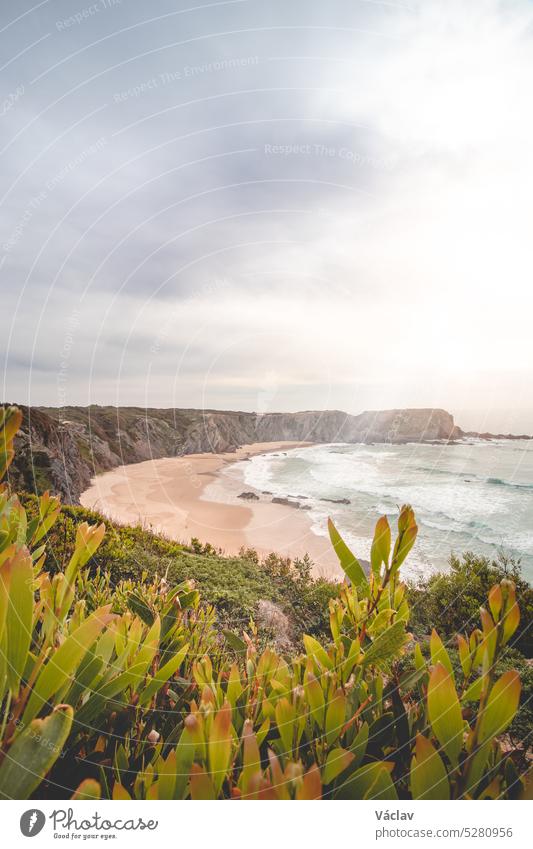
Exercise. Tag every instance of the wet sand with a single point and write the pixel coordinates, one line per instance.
(168, 496)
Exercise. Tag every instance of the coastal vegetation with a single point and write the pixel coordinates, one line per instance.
(133, 668)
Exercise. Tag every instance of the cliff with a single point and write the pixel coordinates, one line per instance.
(61, 449)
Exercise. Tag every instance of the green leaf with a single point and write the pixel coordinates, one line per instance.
(139, 607)
(285, 718)
(19, 621)
(464, 655)
(315, 698)
(382, 787)
(33, 753)
(429, 779)
(150, 644)
(317, 652)
(5, 580)
(381, 545)
(219, 746)
(167, 776)
(251, 758)
(473, 692)
(348, 561)
(439, 653)
(131, 677)
(335, 716)
(234, 688)
(63, 663)
(368, 782)
(88, 539)
(444, 712)
(501, 706)
(88, 789)
(201, 785)
(87, 677)
(162, 676)
(10, 422)
(336, 762)
(235, 642)
(381, 622)
(358, 747)
(120, 794)
(407, 532)
(420, 663)
(184, 758)
(386, 645)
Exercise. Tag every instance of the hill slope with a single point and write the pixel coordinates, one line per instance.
(62, 449)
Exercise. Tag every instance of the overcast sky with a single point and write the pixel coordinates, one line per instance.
(269, 205)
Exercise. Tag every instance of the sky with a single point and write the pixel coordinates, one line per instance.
(266, 205)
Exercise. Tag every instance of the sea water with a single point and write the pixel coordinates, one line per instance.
(474, 495)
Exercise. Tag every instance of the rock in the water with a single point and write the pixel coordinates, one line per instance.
(249, 496)
(286, 502)
(337, 500)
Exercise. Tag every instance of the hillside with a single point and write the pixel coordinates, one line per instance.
(62, 449)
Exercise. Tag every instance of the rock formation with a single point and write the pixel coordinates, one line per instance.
(61, 449)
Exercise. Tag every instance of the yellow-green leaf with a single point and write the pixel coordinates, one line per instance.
(348, 561)
(201, 785)
(19, 618)
(335, 716)
(88, 789)
(381, 545)
(162, 676)
(285, 718)
(219, 746)
(33, 753)
(317, 652)
(501, 706)
(336, 762)
(429, 779)
(439, 653)
(445, 712)
(64, 662)
(368, 782)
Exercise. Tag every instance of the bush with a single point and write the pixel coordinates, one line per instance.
(451, 601)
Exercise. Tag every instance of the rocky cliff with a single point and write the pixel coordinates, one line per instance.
(62, 449)
(49, 456)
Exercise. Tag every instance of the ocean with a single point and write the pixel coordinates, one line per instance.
(471, 496)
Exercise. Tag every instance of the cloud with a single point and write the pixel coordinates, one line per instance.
(330, 201)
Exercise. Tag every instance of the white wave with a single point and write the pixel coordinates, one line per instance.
(448, 486)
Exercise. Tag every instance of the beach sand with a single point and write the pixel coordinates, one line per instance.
(167, 496)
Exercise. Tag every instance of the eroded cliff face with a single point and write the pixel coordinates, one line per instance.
(391, 426)
(62, 449)
(48, 456)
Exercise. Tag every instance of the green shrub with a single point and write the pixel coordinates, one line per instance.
(234, 585)
(450, 601)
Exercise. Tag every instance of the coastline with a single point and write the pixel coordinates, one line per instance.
(168, 496)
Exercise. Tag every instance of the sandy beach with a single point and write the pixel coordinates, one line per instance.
(168, 496)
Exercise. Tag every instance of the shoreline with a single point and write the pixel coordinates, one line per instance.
(168, 496)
